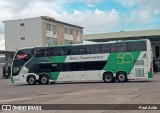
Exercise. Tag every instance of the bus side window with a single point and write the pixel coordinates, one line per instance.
(124, 47)
(74, 50)
(83, 50)
(67, 51)
(67, 67)
(136, 46)
(97, 48)
(90, 49)
(62, 51)
(118, 47)
(60, 67)
(105, 48)
(58, 51)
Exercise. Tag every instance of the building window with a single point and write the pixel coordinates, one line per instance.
(157, 51)
(71, 31)
(68, 42)
(48, 26)
(54, 41)
(51, 41)
(77, 32)
(54, 28)
(81, 31)
(22, 24)
(22, 38)
(66, 30)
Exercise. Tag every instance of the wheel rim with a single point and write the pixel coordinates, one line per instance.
(108, 78)
(43, 80)
(31, 80)
(121, 77)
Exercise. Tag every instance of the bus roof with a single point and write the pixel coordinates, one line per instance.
(70, 45)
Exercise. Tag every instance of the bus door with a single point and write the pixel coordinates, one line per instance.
(78, 71)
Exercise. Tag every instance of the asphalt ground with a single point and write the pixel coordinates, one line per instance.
(132, 92)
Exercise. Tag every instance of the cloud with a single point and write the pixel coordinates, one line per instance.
(97, 21)
(34, 8)
(140, 16)
(90, 5)
(93, 1)
(141, 11)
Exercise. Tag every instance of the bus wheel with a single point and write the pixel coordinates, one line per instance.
(108, 77)
(122, 77)
(31, 80)
(44, 79)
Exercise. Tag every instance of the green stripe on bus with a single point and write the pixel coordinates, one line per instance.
(121, 62)
(57, 59)
(150, 74)
(54, 75)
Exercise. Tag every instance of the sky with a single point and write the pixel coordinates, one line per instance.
(96, 16)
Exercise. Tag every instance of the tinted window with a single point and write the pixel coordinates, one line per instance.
(67, 51)
(67, 67)
(78, 66)
(90, 49)
(83, 49)
(22, 53)
(136, 46)
(60, 67)
(41, 52)
(58, 51)
(74, 50)
(118, 47)
(105, 48)
(45, 67)
(97, 49)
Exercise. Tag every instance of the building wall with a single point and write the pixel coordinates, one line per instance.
(44, 33)
(34, 32)
(27, 35)
(60, 34)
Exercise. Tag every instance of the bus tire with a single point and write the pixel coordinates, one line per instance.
(44, 80)
(108, 78)
(31, 79)
(121, 77)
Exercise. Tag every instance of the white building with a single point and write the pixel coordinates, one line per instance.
(39, 31)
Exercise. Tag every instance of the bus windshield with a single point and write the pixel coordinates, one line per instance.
(20, 58)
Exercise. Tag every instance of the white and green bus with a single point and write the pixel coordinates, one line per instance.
(107, 61)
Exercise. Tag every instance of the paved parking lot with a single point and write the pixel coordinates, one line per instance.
(132, 92)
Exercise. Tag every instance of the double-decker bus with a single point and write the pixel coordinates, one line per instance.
(107, 61)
